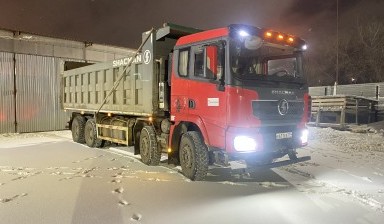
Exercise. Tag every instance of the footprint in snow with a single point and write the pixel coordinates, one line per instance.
(366, 179)
(136, 217)
(19, 178)
(118, 175)
(123, 202)
(113, 168)
(118, 190)
(116, 181)
(89, 170)
(124, 168)
(5, 200)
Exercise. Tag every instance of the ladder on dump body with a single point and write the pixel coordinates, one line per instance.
(125, 128)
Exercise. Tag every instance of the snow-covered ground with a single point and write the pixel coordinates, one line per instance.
(46, 178)
(344, 163)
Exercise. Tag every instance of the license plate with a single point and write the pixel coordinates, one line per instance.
(284, 135)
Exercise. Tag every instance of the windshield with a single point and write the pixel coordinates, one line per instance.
(266, 61)
(282, 67)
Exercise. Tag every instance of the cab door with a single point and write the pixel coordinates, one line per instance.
(180, 84)
(206, 92)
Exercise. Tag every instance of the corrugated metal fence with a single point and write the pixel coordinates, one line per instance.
(7, 103)
(369, 90)
(37, 93)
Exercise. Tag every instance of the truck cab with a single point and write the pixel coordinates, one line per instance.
(242, 90)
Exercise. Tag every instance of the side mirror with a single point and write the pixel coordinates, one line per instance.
(214, 64)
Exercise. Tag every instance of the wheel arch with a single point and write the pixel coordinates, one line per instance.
(75, 114)
(180, 129)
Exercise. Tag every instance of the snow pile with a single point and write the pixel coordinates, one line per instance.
(64, 134)
(349, 141)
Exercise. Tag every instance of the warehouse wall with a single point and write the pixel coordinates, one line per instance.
(30, 78)
(22, 43)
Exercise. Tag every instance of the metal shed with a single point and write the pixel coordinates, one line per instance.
(30, 68)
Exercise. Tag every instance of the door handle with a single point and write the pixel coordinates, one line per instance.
(191, 104)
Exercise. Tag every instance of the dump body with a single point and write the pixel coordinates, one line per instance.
(85, 88)
(143, 75)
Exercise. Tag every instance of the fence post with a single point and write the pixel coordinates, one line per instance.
(377, 92)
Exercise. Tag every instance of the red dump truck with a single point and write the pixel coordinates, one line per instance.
(202, 97)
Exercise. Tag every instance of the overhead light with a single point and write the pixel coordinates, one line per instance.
(304, 47)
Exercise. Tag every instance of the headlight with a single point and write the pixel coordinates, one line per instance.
(304, 137)
(243, 33)
(244, 144)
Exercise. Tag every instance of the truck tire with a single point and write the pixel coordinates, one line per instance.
(91, 134)
(149, 152)
(193, 156)
(78, 125)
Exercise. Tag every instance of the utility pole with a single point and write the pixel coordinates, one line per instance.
(337, 48)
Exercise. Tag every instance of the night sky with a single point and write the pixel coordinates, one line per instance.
(121, 22)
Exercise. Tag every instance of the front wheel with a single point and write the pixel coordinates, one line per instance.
(149, 152)
(193, 156)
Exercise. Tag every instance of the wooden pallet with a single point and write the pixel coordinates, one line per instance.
(342, 107)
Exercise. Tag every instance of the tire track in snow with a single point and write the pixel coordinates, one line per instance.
(324, 187)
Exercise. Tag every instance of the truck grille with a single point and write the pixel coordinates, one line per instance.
(267, 111)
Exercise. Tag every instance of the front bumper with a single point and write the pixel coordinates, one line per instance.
(269, 140)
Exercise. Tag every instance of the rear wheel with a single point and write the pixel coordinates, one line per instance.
(193, 156)
(91, 134)
(78, 125)
(149, 152)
